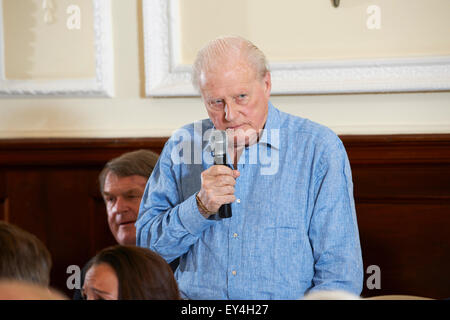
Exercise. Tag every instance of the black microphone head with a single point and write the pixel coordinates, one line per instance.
(218, 141)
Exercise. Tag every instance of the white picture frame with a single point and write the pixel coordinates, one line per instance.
(100, 86)
(166, 76)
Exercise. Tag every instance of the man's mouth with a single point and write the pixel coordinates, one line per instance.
(235, 127)
(127, 223)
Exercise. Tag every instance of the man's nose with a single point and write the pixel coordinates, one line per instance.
(230, 111)
(120, 205)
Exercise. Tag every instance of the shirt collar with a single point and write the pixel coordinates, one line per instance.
(272, 123)
(271, 128)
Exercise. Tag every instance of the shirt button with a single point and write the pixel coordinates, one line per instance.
(238, 200)
(233, 272)
(235, 235)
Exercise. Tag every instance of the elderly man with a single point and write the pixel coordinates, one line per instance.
(293, 227)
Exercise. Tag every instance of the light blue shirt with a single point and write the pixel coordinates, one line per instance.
(293, 227)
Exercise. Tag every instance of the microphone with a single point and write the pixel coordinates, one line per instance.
(220, 142)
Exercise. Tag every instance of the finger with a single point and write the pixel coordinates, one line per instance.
(223, 180)
(221, 200)
(226, 199)
(216, 182)
(217, 170)
(224, 190)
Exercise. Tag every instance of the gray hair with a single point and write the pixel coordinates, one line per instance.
(140, 162)
(221, 49)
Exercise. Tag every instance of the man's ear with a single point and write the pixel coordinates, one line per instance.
(267, 83)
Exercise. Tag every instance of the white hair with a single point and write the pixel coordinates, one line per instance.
(222, 50)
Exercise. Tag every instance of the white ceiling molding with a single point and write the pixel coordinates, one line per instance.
(100, 86)
(166, 76)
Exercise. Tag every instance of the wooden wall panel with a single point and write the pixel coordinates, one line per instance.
(406, 181)
(402, 195)
(53, 204)
(4, 206)
(401, 185)
(410, 244)
(100, 235)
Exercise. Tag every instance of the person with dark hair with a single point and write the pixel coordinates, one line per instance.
(129, 273)
(23, 256)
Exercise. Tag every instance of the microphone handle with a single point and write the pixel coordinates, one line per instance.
(225, 209)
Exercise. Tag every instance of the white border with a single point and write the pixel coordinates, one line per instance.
(165, 76)
(100, 86)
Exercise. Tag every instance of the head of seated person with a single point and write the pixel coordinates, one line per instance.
(129, 273)
(22, 290)
(122, 184)
(23, 256)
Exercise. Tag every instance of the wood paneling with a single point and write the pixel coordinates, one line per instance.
(410, 244)
(4, 205)
(401, 185)
(82, 152)
(402, 195)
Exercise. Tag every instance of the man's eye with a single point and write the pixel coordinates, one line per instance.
(217, 103)
(242, 97)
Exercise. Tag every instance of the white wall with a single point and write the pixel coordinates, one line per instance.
(130, 114)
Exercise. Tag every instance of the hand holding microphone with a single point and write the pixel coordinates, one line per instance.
(217, 188)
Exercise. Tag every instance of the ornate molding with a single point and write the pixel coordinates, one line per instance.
(165, 76)
(100, 86)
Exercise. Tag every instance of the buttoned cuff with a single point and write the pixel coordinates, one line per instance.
(191, 218)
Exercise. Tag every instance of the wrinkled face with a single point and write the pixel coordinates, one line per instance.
(236, 100)
(101, 283)
(122, 197)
